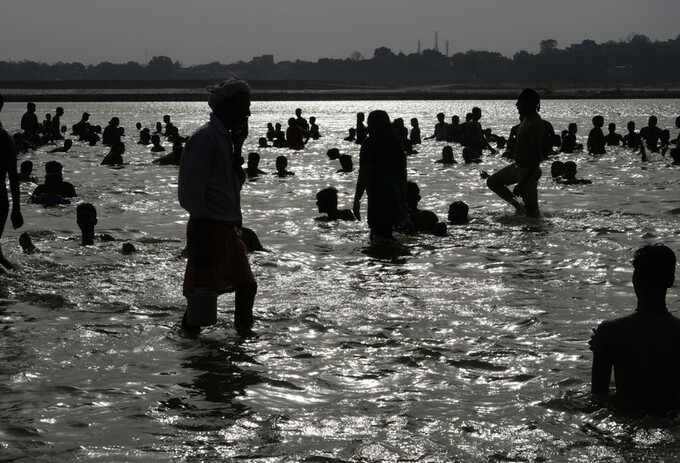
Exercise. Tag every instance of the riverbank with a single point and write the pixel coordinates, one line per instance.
(97, 91)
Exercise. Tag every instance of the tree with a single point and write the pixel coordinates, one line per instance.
(383, 53)
(548, 46)
(356, 56)
(160, 67)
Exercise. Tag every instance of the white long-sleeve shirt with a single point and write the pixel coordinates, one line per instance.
(209, 186)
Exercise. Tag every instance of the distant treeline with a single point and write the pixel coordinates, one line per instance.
(637, 57)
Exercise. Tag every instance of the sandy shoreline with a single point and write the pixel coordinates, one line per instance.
(315, 90)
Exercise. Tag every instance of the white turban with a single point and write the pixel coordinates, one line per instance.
(221, 91)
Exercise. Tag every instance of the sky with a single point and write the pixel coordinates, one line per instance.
(202, 31)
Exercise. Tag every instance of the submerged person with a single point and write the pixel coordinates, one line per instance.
(440, 129)
(253, 166)
(282, 167)
(55, 190)
(382, 175)
(210, 182)
(632, 138)
(8, 172)
(447, 156)
(327, 203)
(26, 172)
(642, 348)
(525, 171)
(423, 221)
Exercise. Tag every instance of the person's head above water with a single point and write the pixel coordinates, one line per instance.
(528, 102)
(86, 218)
(327, 200)
(653, 268)
(458, 212)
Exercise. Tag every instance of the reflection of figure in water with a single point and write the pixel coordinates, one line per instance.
(86, 218)
(423, 221)
(281, 167)
(327, 203)
(8, 171)
(642, 347)
(382, 174)
(595, 142)
(210, 182)
(447, 156)
(360, 131)
(252, 169)
(613, 138)
(525, 171)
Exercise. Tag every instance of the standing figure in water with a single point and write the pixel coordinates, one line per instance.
(209, 188)
(8, 170)
(525, 171)
(382, 174)
(642, 348)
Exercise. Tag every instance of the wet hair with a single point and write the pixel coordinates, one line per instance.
(458, 211)
(86, 208)
(655, 265)
(327, 194)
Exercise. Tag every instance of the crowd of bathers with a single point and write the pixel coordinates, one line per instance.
(476, 142)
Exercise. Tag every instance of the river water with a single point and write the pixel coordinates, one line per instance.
(469, 347)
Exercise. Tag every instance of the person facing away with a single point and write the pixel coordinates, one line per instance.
(327, 203)
(296, 136)
(8, 172)
(111, 132)
(382, 175)
(651, 134)
(252, 169)
(569, 144)
(346, 164)
(282, 167)
(612, 138)
(26, 172)
(595, 142)
(81, 127)
(301, 121)
(209, 188)
(115, 156)
(314, 129)
(632, 138)
(54, 187)
(642, 348)
(86, 218)
(525, 170)
(447, 156)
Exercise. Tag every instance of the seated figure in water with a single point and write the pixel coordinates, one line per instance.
(642, 348)
(423, 221)
(327, 203)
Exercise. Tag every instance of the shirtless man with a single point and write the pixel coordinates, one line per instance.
(8, 169)
(643, 348)
(596, 140)
(525, 171)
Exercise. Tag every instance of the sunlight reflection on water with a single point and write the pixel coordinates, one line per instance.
(470, 347)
